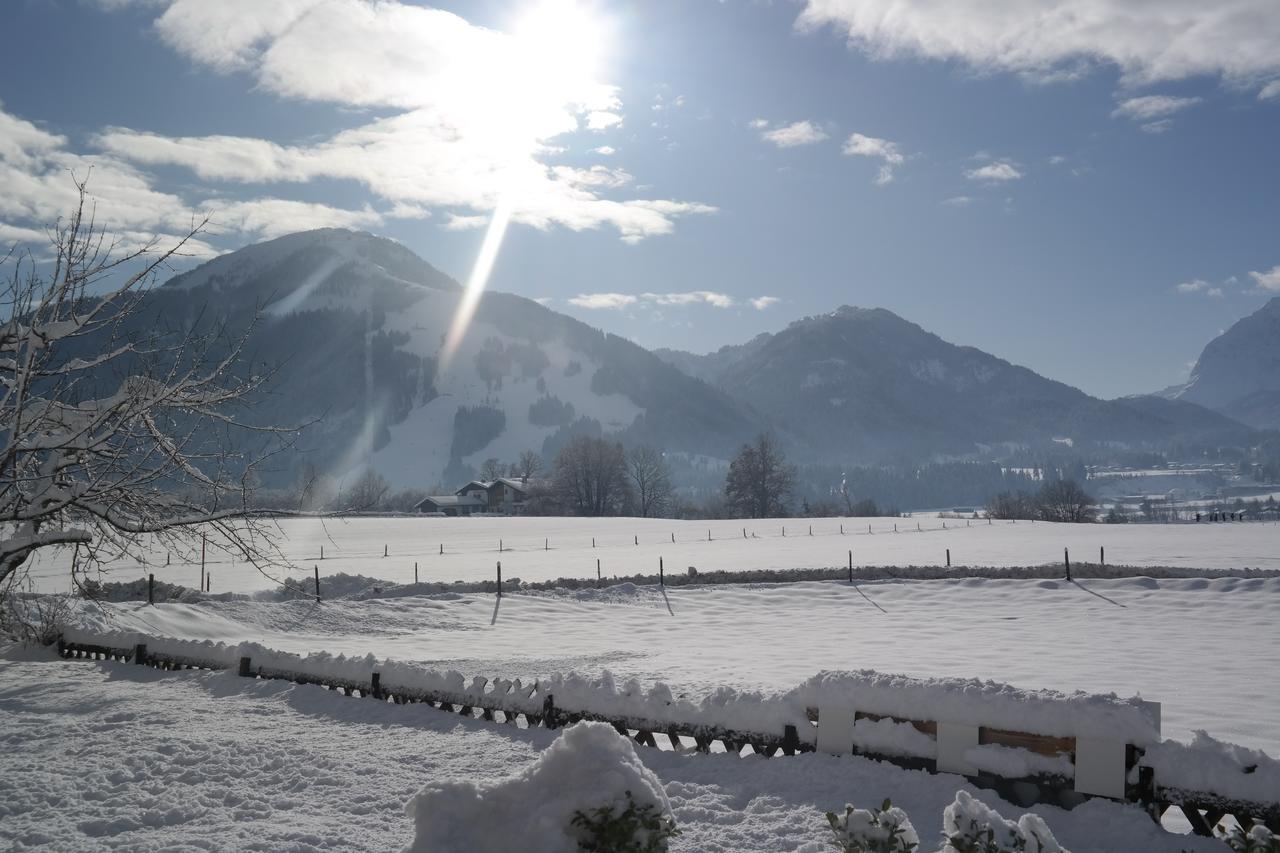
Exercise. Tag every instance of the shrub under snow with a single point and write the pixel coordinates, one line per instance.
(883, 830)
(1259, 839)
(971, 826)
(589, 768)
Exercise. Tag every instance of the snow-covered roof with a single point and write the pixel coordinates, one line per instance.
(451, 500)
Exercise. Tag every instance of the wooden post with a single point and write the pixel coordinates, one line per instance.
(322, 552)
(810, 529)
(442, 548)
(375, 685)
(597, 572)
(151, 589)
(140, 654)
(744, 533)
(499, 579)
(784, 531)
(948, 558)
(895, 527)
(851, 567)
(593, 541)
(1066, 559)
(499, 546)
(415, 571)
(662, 577)
(202, 541)
(673, 539)
(244, 671)
(208, 581)
(317, 568)
(168, 558)
(546, 544)
(1102, 555)
(708, 535)
(841, 529)
(918, 529)
(384, 550)
(637, 540)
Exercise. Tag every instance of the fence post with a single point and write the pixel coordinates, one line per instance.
(208, 581)
(202, 541)
(375, 685)
(790, 740)
(140, 654)
(415, 571)
(384, 550)
(810, 529)
(546, 544)
(322, 552)
(151, 589)
(662, 578)
(244, 668)
(841, 529)
(593, 541)
(499, 579)
(1066, 559)
(637, 540)
(550, 717)
(441, 548)
(1102, 555)
(597, 573)
(168, 558)
(317, 569)
(499, 546)
(708, 535)
(948, 558)
(673, 539)
(895, 528)
(850, 566)
(784, 531)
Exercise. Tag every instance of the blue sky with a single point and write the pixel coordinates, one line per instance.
(1086, 189)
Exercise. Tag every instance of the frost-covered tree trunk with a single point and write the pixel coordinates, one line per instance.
(650, 481)
(105, 436)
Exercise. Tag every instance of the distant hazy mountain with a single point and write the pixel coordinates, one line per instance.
(1238, 373)
(866, 384)
(354, 324)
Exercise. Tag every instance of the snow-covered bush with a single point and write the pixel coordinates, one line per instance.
(883, 830)
(639, 828)
(31, 618)
(589, 769)
(971, 826)
(1259, 839)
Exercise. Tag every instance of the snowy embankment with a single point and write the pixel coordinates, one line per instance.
(208, 760)
(543, 549)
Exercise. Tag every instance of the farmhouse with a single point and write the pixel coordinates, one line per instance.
(503, 496)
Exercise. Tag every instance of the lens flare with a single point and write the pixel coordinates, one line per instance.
(476, 282)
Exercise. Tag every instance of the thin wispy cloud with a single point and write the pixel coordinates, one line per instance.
(888, 153)
(1269, 280)
(999, 172)
(1201, 286)
(790, 135)
(1148, 107)
(603, 301)
(760, 303)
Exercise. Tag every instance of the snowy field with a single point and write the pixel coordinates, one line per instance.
(1204, 648)
(105, 756)
(539, 549)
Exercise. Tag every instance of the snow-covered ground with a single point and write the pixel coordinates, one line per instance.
(1200, 647)
(102, 756)
(537, 549)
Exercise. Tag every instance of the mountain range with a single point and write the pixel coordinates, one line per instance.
(353, 325)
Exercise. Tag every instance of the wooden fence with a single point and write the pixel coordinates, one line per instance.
(1100, 768)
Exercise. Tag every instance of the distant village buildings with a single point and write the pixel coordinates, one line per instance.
(503, 496)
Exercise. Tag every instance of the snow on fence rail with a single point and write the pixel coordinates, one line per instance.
(1030, 746)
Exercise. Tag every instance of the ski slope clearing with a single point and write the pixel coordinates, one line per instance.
(200, 760)
(1201, 647)
(542, 549)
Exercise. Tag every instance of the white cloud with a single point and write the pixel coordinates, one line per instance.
(1199, 285)
(1148, 40)
(1057, 160)
(762, 302)
(1161, 126)
(1269, 91)
(758, 123)
(858, 145)
(694, 297)
(603, 301)
(998, 172)
(461, 222)
(1147, 107)
(474, 112)
(1269, 280)
(791, 135)
(605, 150)
(958, 201)
(602, 120)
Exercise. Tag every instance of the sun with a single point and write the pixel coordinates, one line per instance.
(563, 43)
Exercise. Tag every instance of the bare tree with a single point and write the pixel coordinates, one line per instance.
(650, 481)
(366, 493)
(527, 467)
(1065, 500)
(490, 469)
(760, 481)
(591, 476)
(105, 444)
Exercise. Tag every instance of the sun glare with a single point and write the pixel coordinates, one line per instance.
(558, 47)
